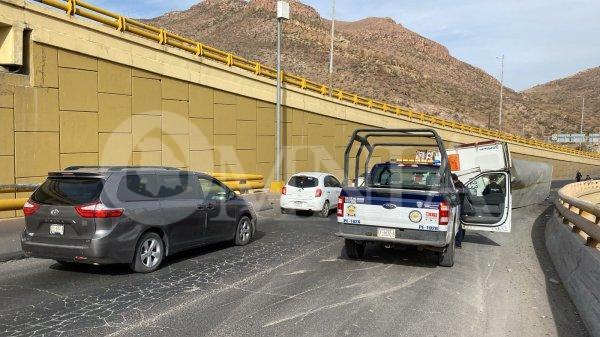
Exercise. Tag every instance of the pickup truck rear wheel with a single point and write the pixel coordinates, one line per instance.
(446, 257)
(355, 249)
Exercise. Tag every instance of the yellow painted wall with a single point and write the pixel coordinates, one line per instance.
(86, 111)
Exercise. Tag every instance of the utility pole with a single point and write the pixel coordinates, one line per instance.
(501, 90)
(283, 13)
(331, 49)
(581, 126)
(582, 112)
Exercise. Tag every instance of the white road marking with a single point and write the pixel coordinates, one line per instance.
(349, 301)
(184, 305)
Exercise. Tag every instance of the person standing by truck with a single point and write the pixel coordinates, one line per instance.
(461, 190)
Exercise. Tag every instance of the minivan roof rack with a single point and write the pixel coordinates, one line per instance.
(119, 168)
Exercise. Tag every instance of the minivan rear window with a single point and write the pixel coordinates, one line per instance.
(69, 191)
(178, 186)
(303, 182)
(137, 187)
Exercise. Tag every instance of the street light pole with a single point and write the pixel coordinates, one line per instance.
(283, 13)
(331, 49)
(501, 91)
(278, 107)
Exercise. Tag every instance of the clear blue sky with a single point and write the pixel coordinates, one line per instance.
(542, 39)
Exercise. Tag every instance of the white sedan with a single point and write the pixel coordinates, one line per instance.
(311, 191)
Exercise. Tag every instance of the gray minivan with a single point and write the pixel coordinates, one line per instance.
(134, 215)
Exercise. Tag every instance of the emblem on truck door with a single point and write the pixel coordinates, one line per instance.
(389, 206)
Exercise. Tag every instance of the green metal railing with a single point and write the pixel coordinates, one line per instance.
(163, 37)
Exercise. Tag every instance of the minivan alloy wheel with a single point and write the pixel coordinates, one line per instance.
(245, 230)
(151, 252)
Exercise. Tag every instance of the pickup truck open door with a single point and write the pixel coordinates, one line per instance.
(484, 169)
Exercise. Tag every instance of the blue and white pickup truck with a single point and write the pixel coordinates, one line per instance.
(412, 200)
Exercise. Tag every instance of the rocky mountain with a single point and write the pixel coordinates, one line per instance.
(560, 97)
(374, 57)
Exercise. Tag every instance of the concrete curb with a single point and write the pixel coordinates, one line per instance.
(579, 269)
(261, 201)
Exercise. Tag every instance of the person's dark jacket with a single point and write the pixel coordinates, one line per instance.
(462, 191)
(492, 188)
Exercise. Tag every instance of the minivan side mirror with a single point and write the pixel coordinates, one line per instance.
(231, 195)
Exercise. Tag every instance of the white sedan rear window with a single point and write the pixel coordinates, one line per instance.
(303, 181)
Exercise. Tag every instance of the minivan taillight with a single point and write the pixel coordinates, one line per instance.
(98, 210)
(283, 190)
(30, 207)
(444, 213)
(318, 192)
(340, 206)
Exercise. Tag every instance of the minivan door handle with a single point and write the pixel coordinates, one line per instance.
(210, 205)
(201, 207)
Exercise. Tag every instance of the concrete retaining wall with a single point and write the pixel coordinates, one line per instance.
(261, 201)
(579, 269)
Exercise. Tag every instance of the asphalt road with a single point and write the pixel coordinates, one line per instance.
(295, 280)
(10, 238)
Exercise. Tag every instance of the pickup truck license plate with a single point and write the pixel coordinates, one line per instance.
(57, 229)
(386, 233)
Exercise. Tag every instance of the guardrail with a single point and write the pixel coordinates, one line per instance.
(240, 182)
(164, 37)
(583, 216)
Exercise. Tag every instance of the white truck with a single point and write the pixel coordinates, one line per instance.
(414, 201)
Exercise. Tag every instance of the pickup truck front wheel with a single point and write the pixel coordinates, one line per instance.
(355, 249)
(446, 257)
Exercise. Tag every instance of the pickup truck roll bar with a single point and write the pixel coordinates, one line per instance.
(362, 136)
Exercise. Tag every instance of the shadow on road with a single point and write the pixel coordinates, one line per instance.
(123, 269)
(479, 239)
(567, 321)
(108, 269)
(402, 256)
